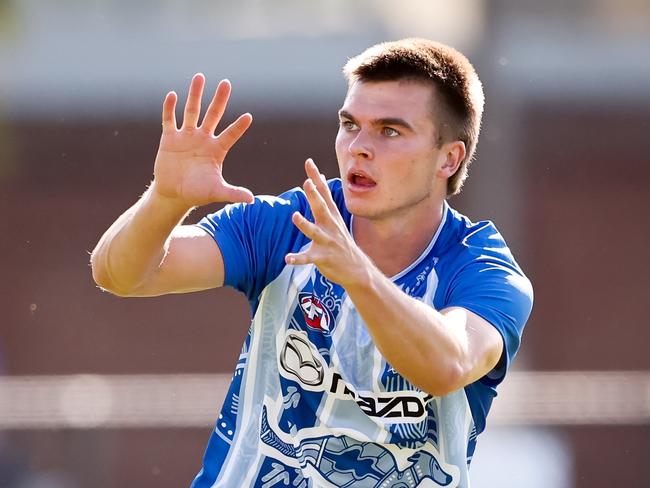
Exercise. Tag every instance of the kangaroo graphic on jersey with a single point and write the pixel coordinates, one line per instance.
(349, 463)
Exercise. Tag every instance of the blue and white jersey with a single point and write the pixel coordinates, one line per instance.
(312, 402)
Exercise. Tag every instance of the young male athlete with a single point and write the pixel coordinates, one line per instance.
(383, 319)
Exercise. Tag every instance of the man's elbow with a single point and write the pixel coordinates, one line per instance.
(452, 378)
(459, 373)
(103, 278)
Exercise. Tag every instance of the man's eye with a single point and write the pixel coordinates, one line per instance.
(390, 132)
(348, 125)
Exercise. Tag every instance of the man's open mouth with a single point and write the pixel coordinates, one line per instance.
(358, 178)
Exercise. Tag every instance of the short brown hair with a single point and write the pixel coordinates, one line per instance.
(460, 93)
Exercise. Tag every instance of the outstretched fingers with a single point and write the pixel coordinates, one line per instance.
(169, 112)
(234, 131)
(310, 229)
(193, 104)
(217, 107)
(316, 202)
(313, 233)
(321, 185)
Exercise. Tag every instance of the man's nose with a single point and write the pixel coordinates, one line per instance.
(361, 146)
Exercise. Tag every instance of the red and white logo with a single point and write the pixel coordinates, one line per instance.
(317, 316)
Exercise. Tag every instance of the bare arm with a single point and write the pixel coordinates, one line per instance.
(147, 251)
(439, 351)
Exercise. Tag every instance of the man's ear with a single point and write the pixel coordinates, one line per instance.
(453, 154)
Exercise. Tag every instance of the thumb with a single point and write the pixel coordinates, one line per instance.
(236, 194)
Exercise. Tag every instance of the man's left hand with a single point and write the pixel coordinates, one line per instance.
(332, 248)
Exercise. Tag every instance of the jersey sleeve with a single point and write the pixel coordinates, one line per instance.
(493, 287)
(254, 238)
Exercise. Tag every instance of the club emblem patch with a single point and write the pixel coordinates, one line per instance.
(317, 316)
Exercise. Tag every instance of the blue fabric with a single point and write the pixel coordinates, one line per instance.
(473, 269)
(484, 279)
(254, 239)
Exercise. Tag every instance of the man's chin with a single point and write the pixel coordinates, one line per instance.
(354, 204)
(361, 210)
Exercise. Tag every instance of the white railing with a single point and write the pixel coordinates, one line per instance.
(193, 400)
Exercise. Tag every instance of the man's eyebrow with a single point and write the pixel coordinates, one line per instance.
(393, 121)
(383, 121)
(345, 115)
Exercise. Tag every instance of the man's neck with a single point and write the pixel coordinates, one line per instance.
(395, 243)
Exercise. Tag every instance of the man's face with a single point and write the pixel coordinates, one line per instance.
(386, 149)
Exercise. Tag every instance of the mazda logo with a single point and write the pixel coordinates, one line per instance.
(298, 359)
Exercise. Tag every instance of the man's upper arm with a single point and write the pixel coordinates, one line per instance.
(253, 240)
(193, 262)
(499, 296)
(484, 345)
(240, 245)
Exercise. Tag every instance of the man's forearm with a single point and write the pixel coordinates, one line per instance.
(134, 246)
(419, 342)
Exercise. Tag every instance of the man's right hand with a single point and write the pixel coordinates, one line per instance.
(189, 163)
(147, 252)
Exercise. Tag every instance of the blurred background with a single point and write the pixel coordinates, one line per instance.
(107, 392)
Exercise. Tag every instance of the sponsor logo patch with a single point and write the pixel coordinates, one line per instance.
(300, 361)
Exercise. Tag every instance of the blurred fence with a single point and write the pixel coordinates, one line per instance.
(192, 400)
